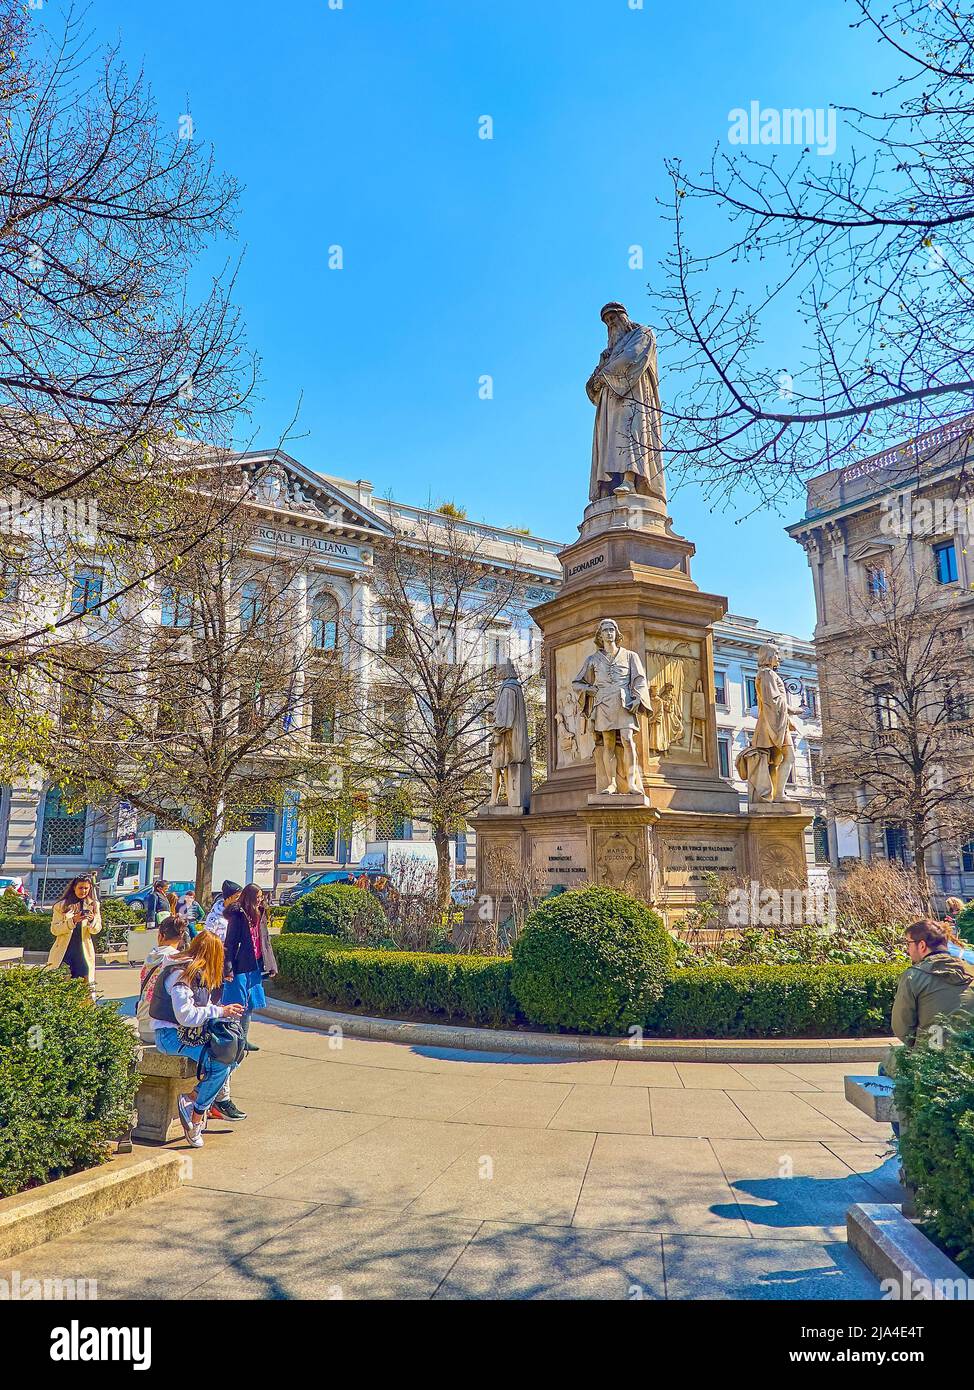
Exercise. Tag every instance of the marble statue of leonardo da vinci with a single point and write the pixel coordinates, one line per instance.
(624, 388)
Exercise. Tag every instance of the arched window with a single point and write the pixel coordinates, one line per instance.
(324, 622)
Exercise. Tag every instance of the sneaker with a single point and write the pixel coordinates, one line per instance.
(251, 1047)
(226, 1110)
(192, 1130)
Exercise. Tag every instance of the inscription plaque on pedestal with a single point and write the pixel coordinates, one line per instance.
(562, 860)
(688, 859)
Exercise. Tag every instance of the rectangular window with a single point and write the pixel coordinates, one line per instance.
(945, 562)
(967, 857)
(322, 718)
(261, 818)
(750, 692)
(820, 839)
(723, 755)
(63, 832)
(875, 581)
(815, 766)
(811, 701)
(175, 608)
(894, 838)
(323, 842)
(497, 647)
(885, 708)
(86, 590)
(9, 580)
(956, 706)
(250, 608)
(720, 687)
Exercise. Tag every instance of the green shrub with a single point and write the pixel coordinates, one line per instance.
(592, 961)
(468, 988)
(116, 910)
(965, 924)
(338, 909)
(32, 930)
(765, 1001)
(11, 903)
(776, 1001)
(67, 1077)
(935, 1099)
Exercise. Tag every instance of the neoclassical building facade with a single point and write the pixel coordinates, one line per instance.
(331, 529)
(902, 514)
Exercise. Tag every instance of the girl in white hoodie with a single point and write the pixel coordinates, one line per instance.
(182, 999)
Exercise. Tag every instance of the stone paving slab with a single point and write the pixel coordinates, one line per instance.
(555, 1262)
(798, 1189)
(785, 1115)
(702, 1268)
(335, 1253)
(700, 1114)
(655, 1183)
(512, 1175)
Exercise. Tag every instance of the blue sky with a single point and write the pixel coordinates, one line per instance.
(466, 257)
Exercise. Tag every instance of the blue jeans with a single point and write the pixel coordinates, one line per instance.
(215, 1074)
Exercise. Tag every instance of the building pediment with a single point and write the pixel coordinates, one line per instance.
(279, 484)
(869, 551)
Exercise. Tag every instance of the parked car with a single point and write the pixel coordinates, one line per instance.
(316, 880)
(17, 884)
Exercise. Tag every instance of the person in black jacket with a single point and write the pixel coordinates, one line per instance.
(248, 954)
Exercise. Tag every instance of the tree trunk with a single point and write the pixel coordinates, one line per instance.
(444, 878)
(920, 866)
(205, 853)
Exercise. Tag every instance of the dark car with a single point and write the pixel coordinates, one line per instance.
(316, 880)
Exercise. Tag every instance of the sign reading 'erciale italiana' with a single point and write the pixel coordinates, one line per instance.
(306, 540)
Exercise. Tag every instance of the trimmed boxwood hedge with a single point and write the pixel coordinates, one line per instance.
(724, 1001)
(591, 961)
(339, 910)
(777, 1001)
(67, 1077)
(476, 989)
(32, 930)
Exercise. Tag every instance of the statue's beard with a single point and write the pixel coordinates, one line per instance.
(619, 330)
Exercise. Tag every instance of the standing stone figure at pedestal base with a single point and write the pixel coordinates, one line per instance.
(510, 759)
(766, 764)
(612, 690)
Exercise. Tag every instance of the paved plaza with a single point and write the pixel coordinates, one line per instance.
(381, 1170)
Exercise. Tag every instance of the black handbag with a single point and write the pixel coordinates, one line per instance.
(224, 1040)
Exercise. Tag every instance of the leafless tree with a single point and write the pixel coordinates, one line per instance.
(867, 256)
(444, 611)
(114, 377)
(206, 716)
(898, 721)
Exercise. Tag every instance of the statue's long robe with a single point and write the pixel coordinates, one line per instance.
(511, 716)
(627, 435)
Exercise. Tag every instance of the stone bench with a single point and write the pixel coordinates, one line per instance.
(873, 1095)
(11, 955)
(162, 1079)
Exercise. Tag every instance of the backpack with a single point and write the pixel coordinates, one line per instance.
(147, 1033)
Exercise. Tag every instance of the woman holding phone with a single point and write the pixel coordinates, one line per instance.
(75, 919)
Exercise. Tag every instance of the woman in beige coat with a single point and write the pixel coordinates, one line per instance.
(75, 920)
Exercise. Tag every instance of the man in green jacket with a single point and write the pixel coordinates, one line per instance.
(934, 983)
